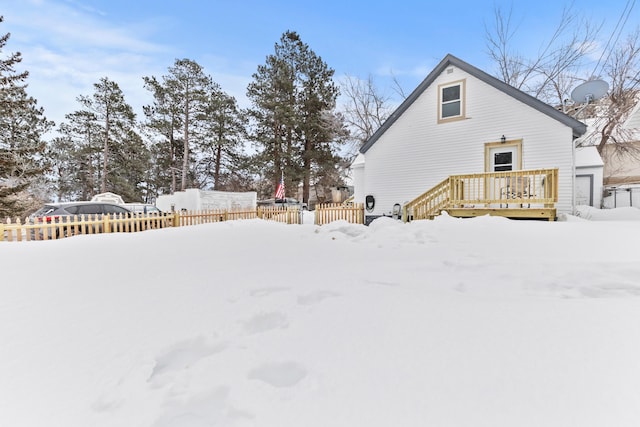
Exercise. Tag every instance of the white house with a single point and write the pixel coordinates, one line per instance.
(461, 120)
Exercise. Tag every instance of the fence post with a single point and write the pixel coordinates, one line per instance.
(105, 224)
(19, 230)
(1, 232)
(176, 219)
(10, 229)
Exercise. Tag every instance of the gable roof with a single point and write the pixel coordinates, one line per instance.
(578, 127)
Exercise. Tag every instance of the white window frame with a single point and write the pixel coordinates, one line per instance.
(461, 100)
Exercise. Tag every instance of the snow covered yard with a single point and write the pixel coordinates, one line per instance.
(451, 322)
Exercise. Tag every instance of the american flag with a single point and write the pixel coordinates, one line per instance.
(280, 189)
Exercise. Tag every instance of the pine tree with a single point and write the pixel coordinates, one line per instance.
(98, 148)
(322, 130)
(273, 95)
(133, 162)
(164, 121)
(178, 100)
(117, 121)
(22, 124)
(294, 100)
(223, 127)
(76, 156)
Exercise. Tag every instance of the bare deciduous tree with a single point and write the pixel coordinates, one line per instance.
(553, 70)
(623, 71)
(366, 109)
(560, 65)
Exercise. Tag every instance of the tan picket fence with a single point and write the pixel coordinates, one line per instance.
(330, 212)
(66, 226)
(60, 227)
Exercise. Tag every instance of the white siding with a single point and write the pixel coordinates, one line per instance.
(416, 152)
(357, 169)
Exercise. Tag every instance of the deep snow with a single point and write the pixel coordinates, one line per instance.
(451, 322)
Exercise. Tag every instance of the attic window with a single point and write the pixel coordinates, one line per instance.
(451, 102)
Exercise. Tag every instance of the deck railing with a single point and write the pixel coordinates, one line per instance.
(523, 189)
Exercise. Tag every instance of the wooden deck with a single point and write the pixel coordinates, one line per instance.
(521, 213)
(527, 194)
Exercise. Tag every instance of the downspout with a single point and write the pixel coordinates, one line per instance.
(573, 175)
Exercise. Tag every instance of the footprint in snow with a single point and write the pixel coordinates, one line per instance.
(316, 297)
(264, 322)
(279, 374)
(263, 292)
(183, 355)
(211, 408)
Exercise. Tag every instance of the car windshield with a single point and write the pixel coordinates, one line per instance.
(45, 210)
(143, 208)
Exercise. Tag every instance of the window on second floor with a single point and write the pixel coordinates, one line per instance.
(451, 101)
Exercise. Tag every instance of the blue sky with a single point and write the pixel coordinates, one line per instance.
(68, 45)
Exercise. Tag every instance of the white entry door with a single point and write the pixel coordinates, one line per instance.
(501, 157)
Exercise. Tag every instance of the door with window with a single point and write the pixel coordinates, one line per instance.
(501, 157)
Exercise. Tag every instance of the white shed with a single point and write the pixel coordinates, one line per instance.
(589, 177)
(194, 199)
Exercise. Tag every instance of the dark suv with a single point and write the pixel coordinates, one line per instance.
(60, 213)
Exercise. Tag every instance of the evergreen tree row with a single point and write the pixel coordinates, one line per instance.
(192, 135)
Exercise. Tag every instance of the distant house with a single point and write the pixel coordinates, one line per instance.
(633, 121)
(461, 120)
(622, 166)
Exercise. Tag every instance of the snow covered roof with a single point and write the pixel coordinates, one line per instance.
(588, 157)
(633, 121)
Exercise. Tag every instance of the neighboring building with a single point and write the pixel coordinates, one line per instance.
(461, 120)
(589, 177)
(194, 199)
(621, 160)
(621, 166)
(633, 121)
(621, 155)
(317, 195)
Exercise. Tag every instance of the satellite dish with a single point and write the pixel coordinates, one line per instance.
(589, 91)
